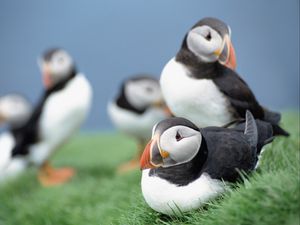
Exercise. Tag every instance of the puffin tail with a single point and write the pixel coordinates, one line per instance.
(271, 117)
(274, 119)
(251, 131)
(277, 130)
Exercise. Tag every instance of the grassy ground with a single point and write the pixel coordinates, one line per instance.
(97, 195)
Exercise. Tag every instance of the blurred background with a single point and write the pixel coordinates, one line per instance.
(112, 39)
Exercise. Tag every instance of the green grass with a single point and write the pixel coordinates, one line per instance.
(97, 195)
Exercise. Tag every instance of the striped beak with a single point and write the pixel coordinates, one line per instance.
(47, 81)
(153, 156)
(226, 54)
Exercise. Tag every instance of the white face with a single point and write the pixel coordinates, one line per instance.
(205, 43)
(182, 144)
(58, 67)
(143, 93)
(14, 109)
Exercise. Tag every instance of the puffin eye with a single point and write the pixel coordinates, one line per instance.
(60, 59)
(178, 136)
(149, 89)
(208, 36)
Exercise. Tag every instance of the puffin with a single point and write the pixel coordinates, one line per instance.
(15, 110)
(185, 166)
(138, 106)
(62, 108)
(200, 83)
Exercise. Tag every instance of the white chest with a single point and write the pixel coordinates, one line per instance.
(7, 143)
(62, 115)
(166, 198)
(198, 100)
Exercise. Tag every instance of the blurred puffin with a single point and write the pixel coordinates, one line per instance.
(15, 110)
(201, 85)
(183, 166)
(61, 110)
(138, 106)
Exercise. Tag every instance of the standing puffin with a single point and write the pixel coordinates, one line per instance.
(138, 106)
(15, 110)
(61, 110)
(201, 85)
(184, 166)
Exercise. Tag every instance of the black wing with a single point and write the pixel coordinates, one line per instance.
(29, 132)
(228, 152)
(237, 92)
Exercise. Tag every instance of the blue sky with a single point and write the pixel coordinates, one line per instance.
(112, 39)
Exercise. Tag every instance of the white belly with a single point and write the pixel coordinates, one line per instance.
(63, 113)
(15, 167)
(9, 167)
(166, 198)
(138, 126)
(7, 143)
(198, 100)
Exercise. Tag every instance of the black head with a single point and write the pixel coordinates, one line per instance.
(208, 41)
(174, 141)
(140, 92)
(56, 65)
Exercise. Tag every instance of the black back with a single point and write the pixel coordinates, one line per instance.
(228, 150)
(237, 92)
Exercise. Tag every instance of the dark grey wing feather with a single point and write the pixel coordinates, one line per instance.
(238, 93)
(272, 117)
(228, 152)
(250, 131)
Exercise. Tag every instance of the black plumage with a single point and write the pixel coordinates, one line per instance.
(223, 151)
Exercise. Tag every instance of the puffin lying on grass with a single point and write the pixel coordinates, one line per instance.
(15, 110)
(61, 110)
(201, 85)
(137, 108)
(184, 166)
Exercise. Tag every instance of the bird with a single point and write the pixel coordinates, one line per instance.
(15, 110)
(62, 108)
(136, 108)
(185, 166)
(200, 83)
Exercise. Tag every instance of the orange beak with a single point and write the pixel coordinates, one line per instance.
(46, 76)
(226, 54)
(231, 62)
(145, 162)
(2, 119)
(167, 111)
(153, 155)
(164, 107)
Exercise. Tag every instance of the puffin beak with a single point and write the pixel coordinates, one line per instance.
(227, 54)
(46, 76)
(164, 107)
(2, 119)
(152, 157)
(145, 162)
(158, 104)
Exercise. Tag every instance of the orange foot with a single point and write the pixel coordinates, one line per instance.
(129, 166)
(48, 176)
